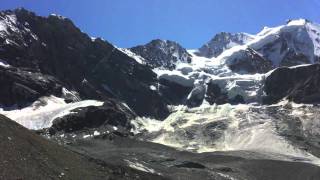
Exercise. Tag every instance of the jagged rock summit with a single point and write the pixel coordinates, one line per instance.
(162, 53)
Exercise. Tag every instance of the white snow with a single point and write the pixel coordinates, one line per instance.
(314, 32)
(301, 65)
(58, 16)
(41, 113)
(4, 63)
(153, 88)
(96, 133)
(133, 55)
(174, 76)
(140, 166)
(86, 136)
(71, 94)
(297, 22)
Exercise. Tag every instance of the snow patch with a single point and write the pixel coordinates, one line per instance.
(153, 88)
(4, 63)
(41, 113)
(141, 167)
(133, 55)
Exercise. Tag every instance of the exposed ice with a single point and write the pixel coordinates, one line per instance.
(41, 113)
(4, 63)
(226, 128)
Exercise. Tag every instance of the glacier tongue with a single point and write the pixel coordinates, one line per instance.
(42, 112)
(230, 128)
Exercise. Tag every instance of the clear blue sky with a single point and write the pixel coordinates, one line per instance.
(126, 23)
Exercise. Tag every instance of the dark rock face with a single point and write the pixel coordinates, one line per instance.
(94, 68)
(214, 95)
(196, 96)
(21, 86)
(299, 84)
(238, 99)
(221, 42)
(162, 53)
(291, 59)
(174, 93)
(91, 117)
(249, 61)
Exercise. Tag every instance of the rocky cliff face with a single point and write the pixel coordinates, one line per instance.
(248, 61)
(298, 84)
(54, 46)
(162, 53)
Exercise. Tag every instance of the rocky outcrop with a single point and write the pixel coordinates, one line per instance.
(214, 95)
(162, 53)
(94, 117)
(94, 68)
(248, 61)
(298, 84)
(19, 87)
(107, 118)
(174, 92)
(196, 96)
(221, 42)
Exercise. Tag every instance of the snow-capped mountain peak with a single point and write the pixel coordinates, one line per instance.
(295, 43)
(223, 41)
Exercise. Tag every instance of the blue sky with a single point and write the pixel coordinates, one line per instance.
(126, 23)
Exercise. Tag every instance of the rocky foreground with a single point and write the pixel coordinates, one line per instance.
(26, 155)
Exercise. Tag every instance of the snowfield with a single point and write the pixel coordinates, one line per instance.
(41, 113)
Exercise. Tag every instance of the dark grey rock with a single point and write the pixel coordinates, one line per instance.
(93, 117)
(162, 53)
(214, 95)
(299, 84)
(196, 96)
(249, 61)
